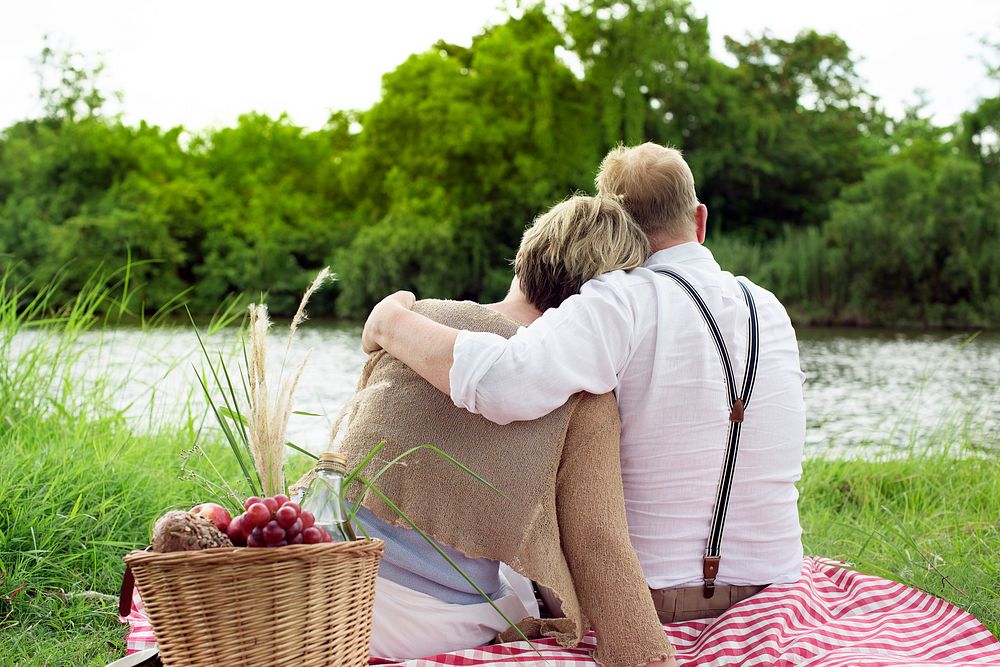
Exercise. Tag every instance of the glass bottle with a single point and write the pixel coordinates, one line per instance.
(322, 497)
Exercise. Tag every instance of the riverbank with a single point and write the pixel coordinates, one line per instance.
(78, 494)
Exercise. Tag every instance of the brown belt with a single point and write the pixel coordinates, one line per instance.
(684, 604)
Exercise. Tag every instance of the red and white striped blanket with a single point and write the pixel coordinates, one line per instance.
(831, 617)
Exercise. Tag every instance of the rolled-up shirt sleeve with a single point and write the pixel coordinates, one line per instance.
(579, 346)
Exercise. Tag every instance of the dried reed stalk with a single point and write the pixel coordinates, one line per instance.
(268, 418)
(300, 314)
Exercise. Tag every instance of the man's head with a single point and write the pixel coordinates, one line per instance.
(657, 188)
(576, 240)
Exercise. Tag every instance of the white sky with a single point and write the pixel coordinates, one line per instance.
(203, 63)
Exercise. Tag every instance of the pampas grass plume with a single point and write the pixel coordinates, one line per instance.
(269, 415)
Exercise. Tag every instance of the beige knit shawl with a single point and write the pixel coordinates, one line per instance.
(522, 459)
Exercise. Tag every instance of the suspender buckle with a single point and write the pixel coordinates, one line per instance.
(710, 569)
(736, 412)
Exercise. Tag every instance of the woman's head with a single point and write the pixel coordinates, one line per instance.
(574, 241)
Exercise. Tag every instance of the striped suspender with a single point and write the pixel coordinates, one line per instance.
(737, 405)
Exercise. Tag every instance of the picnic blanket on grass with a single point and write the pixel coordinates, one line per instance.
(831, 617)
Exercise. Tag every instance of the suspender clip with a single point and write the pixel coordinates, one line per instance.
(710, 569)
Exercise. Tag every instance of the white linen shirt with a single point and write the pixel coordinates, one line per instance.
(639, 334)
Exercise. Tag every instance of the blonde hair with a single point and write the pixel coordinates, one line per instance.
(574, 241)
(655, 184)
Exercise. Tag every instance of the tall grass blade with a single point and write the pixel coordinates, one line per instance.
(241, 420)
(403, 456)
(174, 303)
(301, 450)
(128, 274)
(233, 416)
(226, 314)
(229, 436)
(363, 463)
(235, 443)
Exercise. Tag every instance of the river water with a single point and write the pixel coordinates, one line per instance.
(866, 391)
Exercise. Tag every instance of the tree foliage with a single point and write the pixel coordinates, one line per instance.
(919, 244)
(846, 213)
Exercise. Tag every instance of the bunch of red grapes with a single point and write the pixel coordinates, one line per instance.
(274, 522)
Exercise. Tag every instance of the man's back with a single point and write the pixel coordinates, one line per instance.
(639, 333)
(672, 398)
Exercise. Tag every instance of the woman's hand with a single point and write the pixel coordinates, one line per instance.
(381, 318)
(419, 342)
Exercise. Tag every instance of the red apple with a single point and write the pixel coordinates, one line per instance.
(217, 514)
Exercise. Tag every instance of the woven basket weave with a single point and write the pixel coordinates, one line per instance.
(303, 605)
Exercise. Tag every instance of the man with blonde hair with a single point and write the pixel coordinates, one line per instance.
(657, 187)
(685, 346)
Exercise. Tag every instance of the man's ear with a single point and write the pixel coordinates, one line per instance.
(701, 221)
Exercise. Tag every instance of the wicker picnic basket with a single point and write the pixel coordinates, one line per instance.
(303, 605)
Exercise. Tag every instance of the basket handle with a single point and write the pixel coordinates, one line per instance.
(125, 596)
(128, 585)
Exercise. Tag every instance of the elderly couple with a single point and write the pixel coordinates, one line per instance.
(628, 398)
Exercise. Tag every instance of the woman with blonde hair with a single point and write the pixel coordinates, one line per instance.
(560, 520)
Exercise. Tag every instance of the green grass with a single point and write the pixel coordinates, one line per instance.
(76, 498)
(79, 489)
(930, 521)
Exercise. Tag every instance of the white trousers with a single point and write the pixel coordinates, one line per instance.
(408, 624)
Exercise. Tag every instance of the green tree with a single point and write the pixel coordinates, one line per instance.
(69, 84)
(54, 172)
(919, 245)
(274, 211)
(916, 138)
(979, 136)
(479, 138)
(771, 141)
(408, 252)
(798, 128)
(648, 69)
(846, 213)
